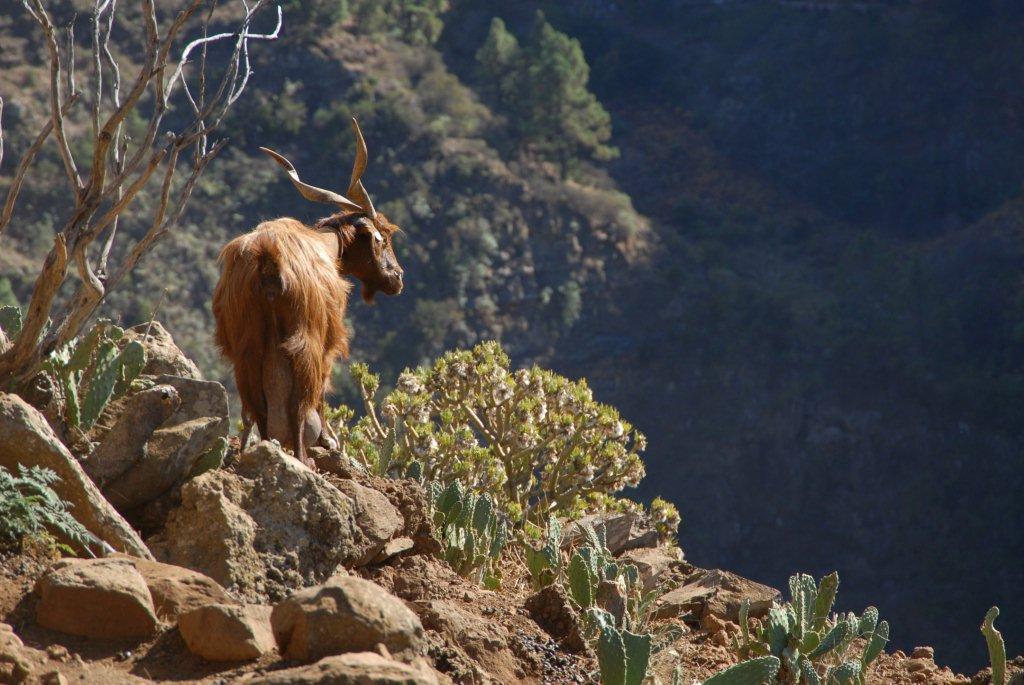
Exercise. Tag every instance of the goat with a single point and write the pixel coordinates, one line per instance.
(279, 305)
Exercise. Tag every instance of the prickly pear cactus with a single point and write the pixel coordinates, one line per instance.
(623, 657)
(92, 370)
(471, 532)
(805, 636)
(752, 672)
(545, 562)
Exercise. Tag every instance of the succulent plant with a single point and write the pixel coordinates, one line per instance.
(545, 561)
(996, 646)
(471, 531)
(91, 370)
(806, 638)
(622, 656)
(535, 440)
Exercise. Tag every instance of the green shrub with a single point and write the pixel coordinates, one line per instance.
(812, 643)
(536, 441)
(29, 507)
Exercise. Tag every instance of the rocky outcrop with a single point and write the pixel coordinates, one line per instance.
(225, 632)
(200, 425)
(345, 614)
(264, 528)
(26, 438)
(363, 668)
(623, 531)
(176, 590)
(376, 518)
(719, 594)
(658, 566)
(102, 598)
(124, 443)
(15, 667)
(163, 357)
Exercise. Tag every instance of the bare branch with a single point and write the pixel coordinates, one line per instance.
(24, 355)
(118, 176)
(55, 92)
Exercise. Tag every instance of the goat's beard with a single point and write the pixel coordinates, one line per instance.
(368, 292)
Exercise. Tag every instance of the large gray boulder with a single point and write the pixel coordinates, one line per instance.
(26, 438)
(345, 614)
(265, 527)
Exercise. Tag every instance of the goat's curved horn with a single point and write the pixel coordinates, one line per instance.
(312, 192)
(355, 184)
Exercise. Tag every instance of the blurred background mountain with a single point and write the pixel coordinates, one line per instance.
(786, 239)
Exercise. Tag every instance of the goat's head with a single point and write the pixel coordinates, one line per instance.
(365, 247)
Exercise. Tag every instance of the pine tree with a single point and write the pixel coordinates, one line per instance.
(498, 65)
(563, 118)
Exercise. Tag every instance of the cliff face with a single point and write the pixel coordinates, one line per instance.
(826, 350)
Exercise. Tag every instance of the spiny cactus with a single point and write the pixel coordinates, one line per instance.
(750, 672)
(91, 370)
(471, 531)
(804, 635)
(996, 646)
(545, 561)
(622, 656)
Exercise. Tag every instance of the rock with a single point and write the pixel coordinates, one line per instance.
(719, 593)
(623, 531)
(269, 526)
(26, 438)
(199, 426)
(104, 598)
(125, 443)
(162, 355)
(923, 653)
(611, 597)
(657, 565)
(552, 611)
(361, 668)
(494, 652)
(394, 548)
(53, 678)
(15, 666)
(225, 632)
(345, 614)
(176, 590)
(376, 517)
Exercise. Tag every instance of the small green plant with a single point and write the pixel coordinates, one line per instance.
(996, 647)
(666, 519)
(536, 441)
(622, 656)
(471, 531)
(751, 672)
(29, 507)
(91, 370)
(544, 561)
(814, 646)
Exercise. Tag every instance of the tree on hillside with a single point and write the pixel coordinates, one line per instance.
(417, 22)
(117, 168)
(543, 89)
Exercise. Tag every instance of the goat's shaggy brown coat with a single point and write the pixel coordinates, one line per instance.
(281, 292)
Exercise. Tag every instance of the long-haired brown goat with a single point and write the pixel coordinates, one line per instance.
(280, 304)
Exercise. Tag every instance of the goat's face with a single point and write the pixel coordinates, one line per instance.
(364, 233)
(369, 255)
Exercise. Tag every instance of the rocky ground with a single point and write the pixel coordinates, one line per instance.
(222, 565)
